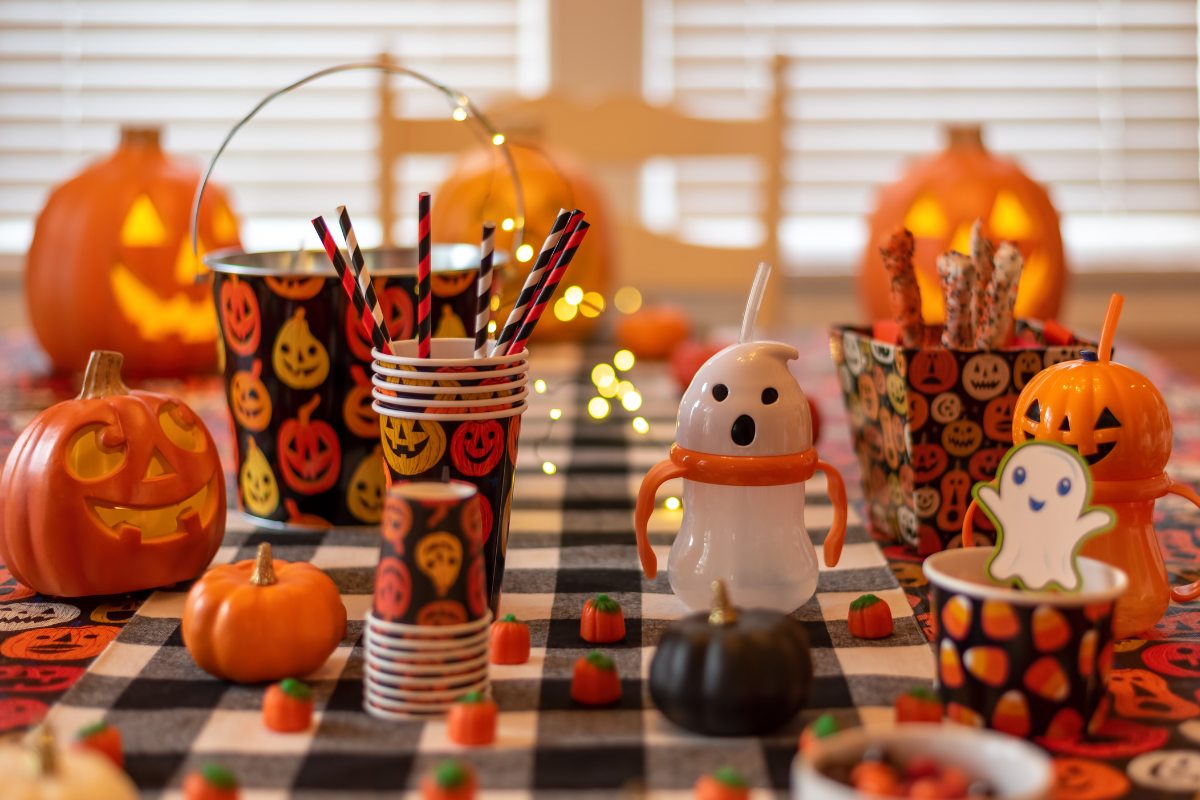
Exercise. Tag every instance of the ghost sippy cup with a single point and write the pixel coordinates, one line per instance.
(744, 449)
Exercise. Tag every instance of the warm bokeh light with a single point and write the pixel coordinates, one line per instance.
(495, 302)
(591, 305)
(460, 114)
(492, 326)
(524, 253)
(549, 468)
(564, 311)
(573, 295)
(498, 139)
(640, 425)
(609, 389)
(539, 386)
(623, 360)
(672, 503)
(603, 375)
(631, 400)
(507, 224)
(555, 413)
(628, 300)
(598, 407)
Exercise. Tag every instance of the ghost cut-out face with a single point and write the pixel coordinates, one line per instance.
(1043, 484)
(744, 401)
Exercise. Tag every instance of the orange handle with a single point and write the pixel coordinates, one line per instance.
(968, 531)
(837, 532)
(1184, 594)
(659, 474)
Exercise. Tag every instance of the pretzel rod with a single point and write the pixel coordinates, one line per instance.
(897, 256)
(956, 274)
(982, 254)
(1001, 297)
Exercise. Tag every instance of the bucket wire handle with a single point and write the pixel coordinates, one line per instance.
(459, 99)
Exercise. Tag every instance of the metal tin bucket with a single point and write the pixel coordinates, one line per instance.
(298, 374)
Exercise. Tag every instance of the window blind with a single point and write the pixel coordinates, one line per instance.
(71, 71)
(1096, 99)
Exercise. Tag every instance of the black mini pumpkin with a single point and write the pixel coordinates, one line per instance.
(733, 672)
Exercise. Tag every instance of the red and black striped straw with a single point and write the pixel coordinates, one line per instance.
(359, 265)
(529, 290)
(547, 291)
(424, 326)
(379, 334)
(483, 289)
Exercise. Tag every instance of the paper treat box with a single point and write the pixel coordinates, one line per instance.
(928, 423)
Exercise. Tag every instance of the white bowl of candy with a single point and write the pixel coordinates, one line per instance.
(924, 762)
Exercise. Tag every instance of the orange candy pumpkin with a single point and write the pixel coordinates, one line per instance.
(870, 618)
(449, 780)
(724, 784)
(472, 720)
(111, 263)
(509, 641)
(263, 620)
(918, 704)
(288, 706)
(595, 681)
(111, 492)
(210, 782)
(104, 739)
(602, 620)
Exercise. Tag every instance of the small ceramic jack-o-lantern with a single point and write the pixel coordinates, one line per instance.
(111, 492)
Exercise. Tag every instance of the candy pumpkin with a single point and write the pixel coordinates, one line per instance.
(37, 770)
(112, 492)
(288, 706)
(509, 641)
(602, 620)
(472, 720)
(819, 728)
(939, 200)
(210, 782)
(918, 704)
(102, 738)
(724, 784)
(449, 780)
(870, 618)
(731, 672)
(111, 263)
(594, 680)
(262, 620)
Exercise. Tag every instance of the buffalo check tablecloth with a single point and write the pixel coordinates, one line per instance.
(571, 537)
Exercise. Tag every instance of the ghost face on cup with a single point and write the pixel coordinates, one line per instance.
(745, 402)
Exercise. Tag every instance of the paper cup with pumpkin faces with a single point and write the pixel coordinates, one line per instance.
(298, 375)
(479, 448)
(929, 423)
(452, 379)
(1031, 664)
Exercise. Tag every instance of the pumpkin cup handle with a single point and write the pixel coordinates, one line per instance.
(659, 474)
(968, 528)
(1184, 594)
(837, 532)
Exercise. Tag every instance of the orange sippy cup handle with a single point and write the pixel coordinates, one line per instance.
(659, 474)
(837, 531)
(1184, 594)
(968, 532)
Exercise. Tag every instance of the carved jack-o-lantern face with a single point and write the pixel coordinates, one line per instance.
(897, 393)
(918, 410)
(985, 375)
(397, 308)
(442, 612)
(984, 463)
(451, 284)
(439, 556)
(869, 396)
(14, 678)
(248, 398)
(299, 358)
(411, 446)
(296, 288)
(1025, 366)
(60, 644)
(22, 616)
(928, 461)
(962, 437)
(927, 500)
(10, 589)
(1141, 694)
(393, 588)
(116, 613)
(260, 491)
(956, 491)
(310, 455)
(946, 407)
(933, 370)
(360, 418)
(240, 319)
(397, 520)
(1086, 779)
(477, 447)
(997, 418)
(364, 496)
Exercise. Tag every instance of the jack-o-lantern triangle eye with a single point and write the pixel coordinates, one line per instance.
(1107, 420)
(1066, 424)
(1034, 412)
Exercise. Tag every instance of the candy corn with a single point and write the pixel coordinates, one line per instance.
(1046, 678)
(1087, 654)
(1011, 714)
(1050, 629)
(957, 712)
(988, 664)
(999, 620)
(956, 616)
(951, 667)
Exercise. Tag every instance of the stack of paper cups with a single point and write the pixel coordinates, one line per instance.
(427, 632)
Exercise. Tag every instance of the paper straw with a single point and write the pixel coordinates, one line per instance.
(982, 254)
(897, 254)
(423, 248)
(379, 334)
(483, 290)
(529, 290)
(547, 291)
(956, 273)
(359, 265)
(1001, 297)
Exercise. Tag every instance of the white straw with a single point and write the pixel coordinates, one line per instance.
(754, 302)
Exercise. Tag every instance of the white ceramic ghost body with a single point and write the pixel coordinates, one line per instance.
(744, 402)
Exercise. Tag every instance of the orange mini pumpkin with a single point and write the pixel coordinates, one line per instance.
(111, 492)
(263, 620)
(472, 720)
(509, 641)
(602, 620)
(595, 681)
(288, 706)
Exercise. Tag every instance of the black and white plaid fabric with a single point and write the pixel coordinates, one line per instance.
(571, 537)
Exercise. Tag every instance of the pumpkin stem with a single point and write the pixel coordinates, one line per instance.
(964, 137)
(1110, 327)
(264, 567)
(304, 414)
(723, 613)
(41, 741)
(103, 376)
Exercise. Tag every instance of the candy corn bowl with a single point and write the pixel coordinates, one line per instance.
(1013, 769)
(1030, 664)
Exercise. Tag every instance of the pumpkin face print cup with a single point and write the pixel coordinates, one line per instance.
(1030, 664)
(298, 375)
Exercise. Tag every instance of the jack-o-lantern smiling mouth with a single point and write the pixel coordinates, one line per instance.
(1102, 449)
(159, 523)
(984, 385)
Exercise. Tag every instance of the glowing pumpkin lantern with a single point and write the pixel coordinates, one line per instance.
(478, 191)
(111, 264)
(939, 200)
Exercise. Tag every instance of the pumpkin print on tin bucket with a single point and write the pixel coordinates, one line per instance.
(1017, 661)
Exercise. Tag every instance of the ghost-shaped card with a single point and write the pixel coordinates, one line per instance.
(1040, 505)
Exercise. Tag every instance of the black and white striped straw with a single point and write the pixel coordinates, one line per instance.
(529, 290)
(483, 289)
(361, 276)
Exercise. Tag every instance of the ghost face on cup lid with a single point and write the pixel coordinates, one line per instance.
(744, 401)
